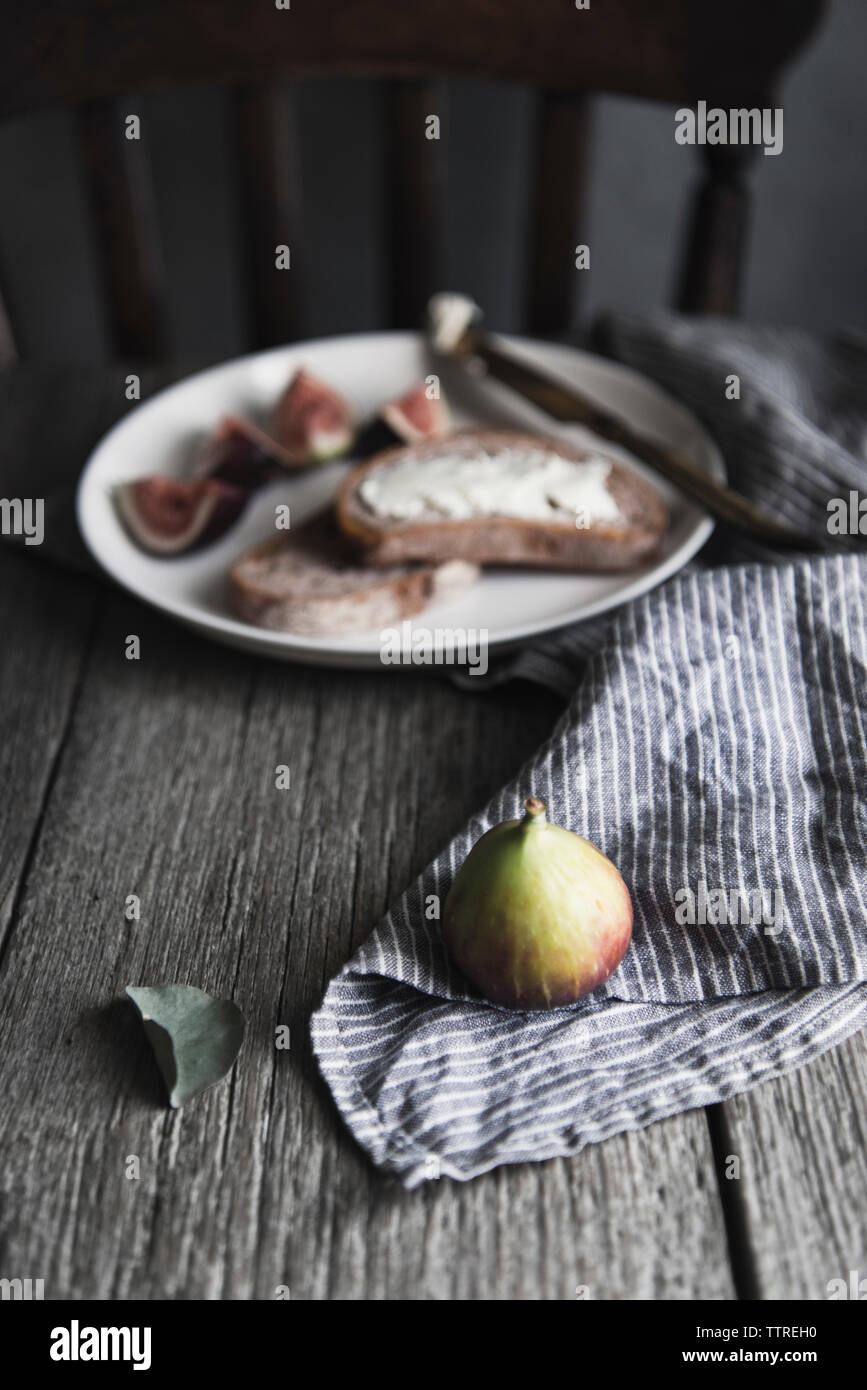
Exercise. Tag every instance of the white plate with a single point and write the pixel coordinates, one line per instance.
(160, 435)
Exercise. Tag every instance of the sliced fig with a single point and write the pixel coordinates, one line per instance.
(238, 452)
(312, 423)
(410, 419)
(168, 516)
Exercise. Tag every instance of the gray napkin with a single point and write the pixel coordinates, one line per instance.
(713, 747)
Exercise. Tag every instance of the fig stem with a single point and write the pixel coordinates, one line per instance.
(534, 811)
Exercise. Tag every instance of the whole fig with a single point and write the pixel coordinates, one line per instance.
(536, 916)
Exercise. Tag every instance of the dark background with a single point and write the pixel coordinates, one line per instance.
(806, 262)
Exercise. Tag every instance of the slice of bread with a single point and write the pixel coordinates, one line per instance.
(624, 533)
(310, 581)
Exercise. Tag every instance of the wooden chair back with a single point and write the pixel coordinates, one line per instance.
(674, 51)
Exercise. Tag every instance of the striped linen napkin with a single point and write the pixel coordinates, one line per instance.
(715, 748)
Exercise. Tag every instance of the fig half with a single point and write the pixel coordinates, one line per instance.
(536, 916)
(312, 423)
(168, 516)
(238, 452)
(409, 419)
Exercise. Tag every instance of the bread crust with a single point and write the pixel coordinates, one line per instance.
(492, 540)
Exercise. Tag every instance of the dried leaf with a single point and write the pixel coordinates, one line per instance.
(195, 1037)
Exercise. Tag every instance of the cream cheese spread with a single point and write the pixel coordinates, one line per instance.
(526, 483)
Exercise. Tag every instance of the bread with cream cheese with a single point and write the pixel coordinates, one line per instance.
(448, 503)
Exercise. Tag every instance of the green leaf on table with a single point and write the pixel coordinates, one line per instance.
(195, 1037)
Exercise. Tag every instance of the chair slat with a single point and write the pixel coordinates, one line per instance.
(415, 192)
(8, 349)
(712, 268)
(271, 210)
(121, 203)
(557, 211)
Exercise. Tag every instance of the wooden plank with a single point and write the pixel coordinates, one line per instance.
(557, 213)
(46, 632)
(123, 216)
(802, 1146)
(634, 1218)
(165, 788)
(271, 210)
(415, 195)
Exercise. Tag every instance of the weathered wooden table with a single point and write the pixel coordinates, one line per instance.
(156, 777)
